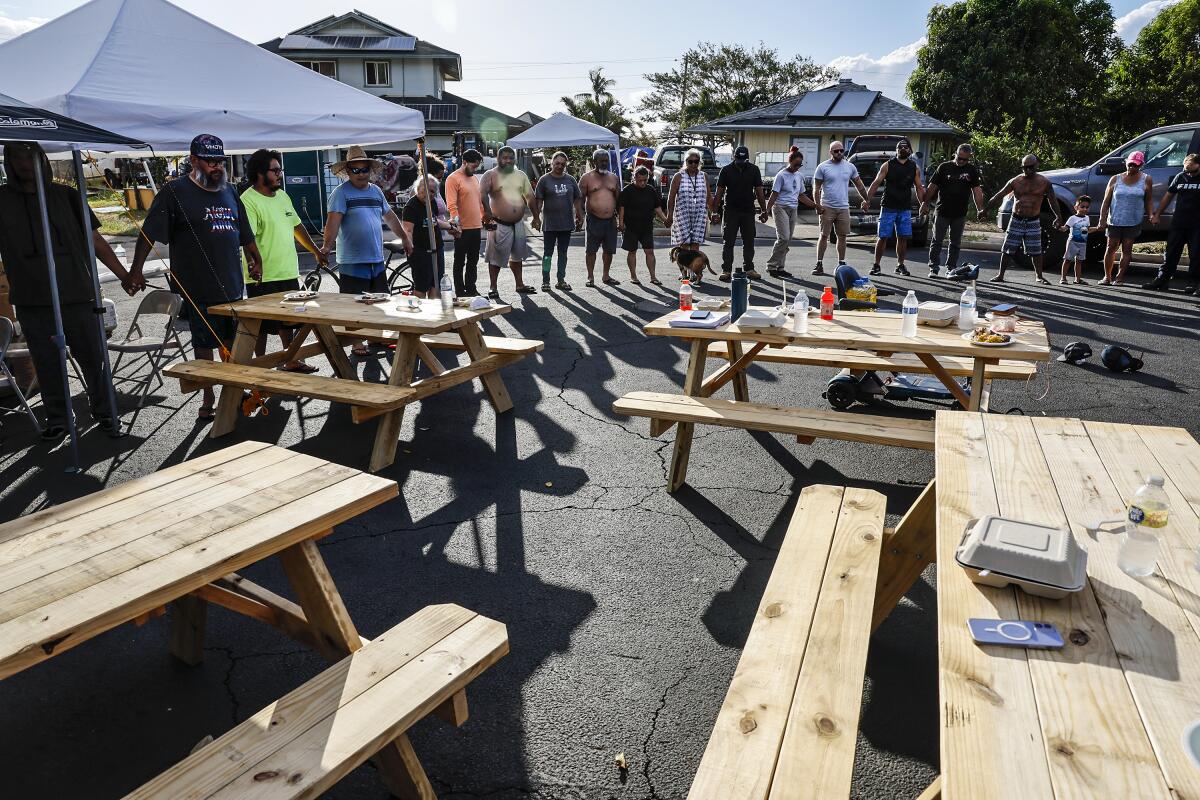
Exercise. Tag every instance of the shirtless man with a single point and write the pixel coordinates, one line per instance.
(506, 193)
(1025, 228)
(600, 188)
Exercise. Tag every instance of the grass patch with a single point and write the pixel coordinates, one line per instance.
(1154, 248)
(120, 224)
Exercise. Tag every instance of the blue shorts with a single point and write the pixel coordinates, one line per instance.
(894, 222)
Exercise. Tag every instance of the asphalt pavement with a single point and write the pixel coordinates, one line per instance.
(627, 607)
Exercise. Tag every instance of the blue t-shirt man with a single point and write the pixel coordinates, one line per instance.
(360, 237)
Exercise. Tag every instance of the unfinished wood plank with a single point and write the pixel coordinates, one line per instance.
(136, 488)
(957, 366)
(692, 383)
(280, 357)
(343, 310)
(935, 368)
(732, 372)
(933, 791)
(454, 710)
(741, 390)
(320, 599)
(906, 553)
(816, 759)
(335, 353)
(432, 362)
(379, 396)
(1094, 739)
(387, 434)
(987, 698)
(741, 756)
(53, 627)
(978, 383)
(493, 384)
(449, 340)
(824, 423)
(315, 705)
(427, 387)
(230, 403)
(189, 615)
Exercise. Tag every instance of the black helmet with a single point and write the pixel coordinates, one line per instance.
(1118, 359)
(1075, 352)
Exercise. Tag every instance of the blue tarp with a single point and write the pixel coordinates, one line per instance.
(630, 153)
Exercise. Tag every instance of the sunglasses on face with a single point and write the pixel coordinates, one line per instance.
(836, 152)
(214, 162)
(359, 170)
(276, 170)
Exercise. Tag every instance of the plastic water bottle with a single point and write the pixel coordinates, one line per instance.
(1145, 516)
(908, 327)
(827, 303)
(800, 313)
(739, 294)
(446, 290)
(685, 296)
(966, 309)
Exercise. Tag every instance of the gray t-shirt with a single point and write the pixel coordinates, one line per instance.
(558, 196)
(835, 187)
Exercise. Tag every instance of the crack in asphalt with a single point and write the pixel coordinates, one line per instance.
(662, 703)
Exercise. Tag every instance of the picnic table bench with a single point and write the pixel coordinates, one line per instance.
(179, 536)
(788, 726)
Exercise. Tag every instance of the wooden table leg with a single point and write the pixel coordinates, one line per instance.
(683, 436)
(934, 790)
(978, 382)
(741, 390)
(397, 763)
(493, 384)
(948, 381)
(189, 615)
(335, 352)
(906, 552)
(429, 359)
(230, 404)
(388, 432)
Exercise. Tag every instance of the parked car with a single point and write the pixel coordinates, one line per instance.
(669, 160)
(869, 163)
(1165, 149)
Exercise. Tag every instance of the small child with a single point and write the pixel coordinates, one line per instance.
(1078, 228)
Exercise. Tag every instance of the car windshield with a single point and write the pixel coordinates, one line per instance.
(673, 158)
(868, 169)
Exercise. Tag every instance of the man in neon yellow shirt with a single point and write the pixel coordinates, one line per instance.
(276, 228)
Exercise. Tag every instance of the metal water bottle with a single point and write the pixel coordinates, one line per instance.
(739, 294)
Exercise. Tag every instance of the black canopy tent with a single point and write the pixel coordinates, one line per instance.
(20, 122)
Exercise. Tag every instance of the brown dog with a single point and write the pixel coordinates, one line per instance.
(692, 264)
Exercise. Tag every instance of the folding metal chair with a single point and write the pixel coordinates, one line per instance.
(154, 347)
(7, 381)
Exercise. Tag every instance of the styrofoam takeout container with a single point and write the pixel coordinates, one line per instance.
(937, 314)
(1042, 560)
(755, 319)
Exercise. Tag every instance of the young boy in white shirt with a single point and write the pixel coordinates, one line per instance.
(1077, 227)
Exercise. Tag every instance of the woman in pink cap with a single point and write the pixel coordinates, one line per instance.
(1126, 205)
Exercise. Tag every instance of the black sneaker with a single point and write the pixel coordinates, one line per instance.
(53, 433)
(1191, 288)
(494, 295)
(902, 270)
(933, 271)
(1160, 284)
(725, 277)
(818, 270)
(876, 270)
(779, 273)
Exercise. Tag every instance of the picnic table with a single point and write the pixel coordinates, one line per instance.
(336, 319)
(1105, 715)
(852, 339)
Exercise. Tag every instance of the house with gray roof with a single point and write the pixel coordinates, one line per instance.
(843, 110)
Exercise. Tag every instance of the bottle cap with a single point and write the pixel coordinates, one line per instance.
(828, 292)
(685, 282)
(1156, 480)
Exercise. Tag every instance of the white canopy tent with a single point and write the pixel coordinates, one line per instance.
(564, 130)
(153, 72)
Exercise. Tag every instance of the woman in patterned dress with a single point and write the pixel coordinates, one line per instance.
(687, 204)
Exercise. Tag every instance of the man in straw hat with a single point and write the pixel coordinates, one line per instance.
(357, 211)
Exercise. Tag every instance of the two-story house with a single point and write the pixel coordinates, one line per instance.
(369, 54)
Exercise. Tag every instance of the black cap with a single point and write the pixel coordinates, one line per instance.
(1075, 352)
(208, 146)
(903, 140)
(472, 155)
(741, 153)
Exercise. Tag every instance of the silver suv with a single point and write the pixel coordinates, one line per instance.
(1165, 149)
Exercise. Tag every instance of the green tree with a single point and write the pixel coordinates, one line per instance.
(714, 80)
(1150, 82)
(1031, 70)
(599, 106)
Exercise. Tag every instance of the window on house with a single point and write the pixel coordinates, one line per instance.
(326, 68)
(378, 73)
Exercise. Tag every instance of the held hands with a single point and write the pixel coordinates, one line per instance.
(923, 210)
(866, 205)
(668, 221)
(1154, 218)
(762, 217)
(537, 222)
(322, 257)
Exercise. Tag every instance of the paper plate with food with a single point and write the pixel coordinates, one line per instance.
(986, 337)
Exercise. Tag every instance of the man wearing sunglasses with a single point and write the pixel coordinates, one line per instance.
(831, 193)
(954, 183)
(1029, 190)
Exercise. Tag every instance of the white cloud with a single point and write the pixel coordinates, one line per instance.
(887, 74)
(10, 27)
(1130, 25)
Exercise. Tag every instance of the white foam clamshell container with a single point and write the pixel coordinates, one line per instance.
(755, 319)
(1042, 560)
(937, 313)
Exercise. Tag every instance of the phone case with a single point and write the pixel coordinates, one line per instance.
(1015, 633)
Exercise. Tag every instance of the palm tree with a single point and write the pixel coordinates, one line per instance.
(599, 105)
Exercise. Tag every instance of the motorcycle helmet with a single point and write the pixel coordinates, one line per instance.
(964, 272)
(1118, 359)
(1075, 352)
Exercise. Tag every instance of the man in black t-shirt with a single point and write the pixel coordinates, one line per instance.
(637, 207)
(739, 184)
(428, 263)
(1185, 226)
(202, 220)
(954, 182)
(899, 176)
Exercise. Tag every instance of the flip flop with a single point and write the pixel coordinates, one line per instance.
(635, 281)
(656, 281)
(1042, 281)
(591, 284)
(303, 369)
(612, 282)
(997, 279)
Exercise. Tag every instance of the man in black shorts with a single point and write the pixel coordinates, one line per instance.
(637, 207)
(428, 263)
(204, 222)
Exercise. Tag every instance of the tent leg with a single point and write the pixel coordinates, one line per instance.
(60, 340)
(115, 430)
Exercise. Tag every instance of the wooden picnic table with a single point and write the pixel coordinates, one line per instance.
(1105, 715)
(73, 571)
(332, 319)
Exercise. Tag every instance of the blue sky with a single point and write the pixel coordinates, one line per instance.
(525, 61)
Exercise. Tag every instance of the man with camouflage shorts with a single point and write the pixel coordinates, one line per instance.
(1029, 189)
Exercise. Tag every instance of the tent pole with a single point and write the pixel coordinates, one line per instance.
(59, 339)
(429, 222)
(85, 215)
(149, 176)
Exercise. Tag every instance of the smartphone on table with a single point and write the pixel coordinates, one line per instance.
(1015, 633)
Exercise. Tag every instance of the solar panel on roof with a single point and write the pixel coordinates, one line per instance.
(389, 43)
(853, 104)
(349, 42)
(814, 104)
